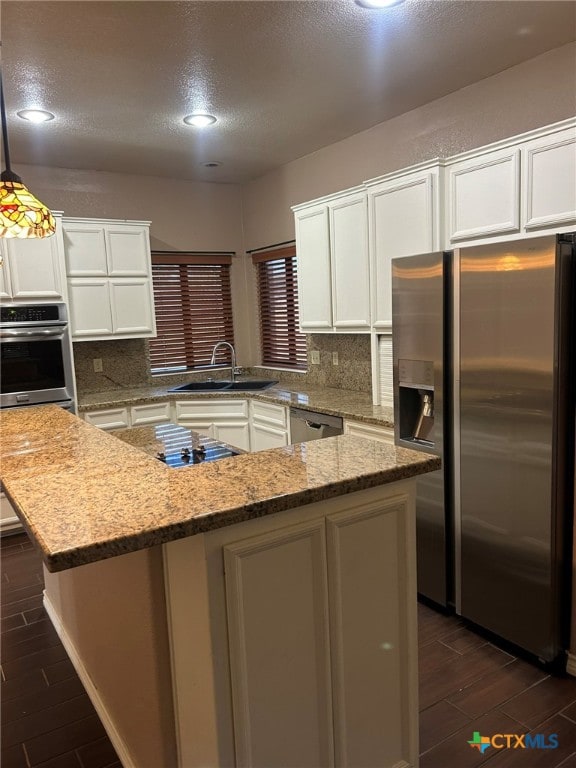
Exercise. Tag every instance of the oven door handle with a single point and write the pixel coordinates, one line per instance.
(17, 333)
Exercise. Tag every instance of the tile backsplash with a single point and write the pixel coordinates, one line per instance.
(125, 364)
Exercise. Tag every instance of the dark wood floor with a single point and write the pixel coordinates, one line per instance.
(466, 685)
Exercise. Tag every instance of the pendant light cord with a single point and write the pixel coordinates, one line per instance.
(4, 126)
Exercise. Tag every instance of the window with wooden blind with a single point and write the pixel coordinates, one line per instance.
(193, 303)
(282, 344)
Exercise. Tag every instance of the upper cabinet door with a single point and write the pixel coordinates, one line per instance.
(35, 268)
(85, 246)
(350, 263)
(128, 251)
(90, 314)
(484, 195)
(132, 307)
(313, 257)
(549, 176)
(403, 219)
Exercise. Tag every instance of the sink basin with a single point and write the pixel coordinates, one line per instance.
(246, 386)
(202, 386)
(225, 386)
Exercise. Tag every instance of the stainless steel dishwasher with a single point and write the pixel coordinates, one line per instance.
(308, 425)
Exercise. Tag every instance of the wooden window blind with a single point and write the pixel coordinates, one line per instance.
(282, 343)
(193, 303)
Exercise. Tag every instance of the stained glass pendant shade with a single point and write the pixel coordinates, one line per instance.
(21, 214)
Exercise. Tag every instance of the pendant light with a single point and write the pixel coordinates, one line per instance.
(21, 214)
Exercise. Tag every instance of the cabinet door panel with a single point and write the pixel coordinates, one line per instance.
(264, 437)
(402, 223)
(313, 257)
(89, 307)
(128, 251)
(85, 250)
(234, 433)
(269, 413)
(549, 172)
(210, 409)
(350, 265)
(372, 639)
(484, 196)
(111, 418)
(35, 268)
(371, 431)
(9, 520)
(5, 287)
(276, 596)
(155, 413)
(131, 307)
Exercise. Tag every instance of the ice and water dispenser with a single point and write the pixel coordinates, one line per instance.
(416, 401)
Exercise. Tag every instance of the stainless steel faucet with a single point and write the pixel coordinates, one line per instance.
(232, 358)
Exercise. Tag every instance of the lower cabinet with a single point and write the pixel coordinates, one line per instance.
(135, 416)
(9, 522)
(372, 431)
(293, 637)
(226, 420)
(268, 426)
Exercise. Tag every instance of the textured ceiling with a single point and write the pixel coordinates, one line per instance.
(284, 77)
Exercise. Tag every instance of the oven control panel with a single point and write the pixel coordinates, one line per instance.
(32, 313)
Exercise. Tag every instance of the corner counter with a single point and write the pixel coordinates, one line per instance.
(267, 602)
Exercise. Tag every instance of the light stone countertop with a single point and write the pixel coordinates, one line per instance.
(83, 495)
(346, 403)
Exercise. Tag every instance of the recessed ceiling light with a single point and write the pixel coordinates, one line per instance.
(378, 3)
(35, 115)
(200, 121)
(211, 164)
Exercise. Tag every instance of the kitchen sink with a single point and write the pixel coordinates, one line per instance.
(245, 386)
(202, 386)
(225, 386)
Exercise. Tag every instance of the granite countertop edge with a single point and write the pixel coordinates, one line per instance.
(114, 547)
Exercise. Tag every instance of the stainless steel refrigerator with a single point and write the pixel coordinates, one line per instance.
(484, 340)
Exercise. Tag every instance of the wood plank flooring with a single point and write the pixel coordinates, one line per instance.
(466, 685)
(47, 719)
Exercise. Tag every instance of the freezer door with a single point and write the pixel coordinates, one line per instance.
(418, 300)
(508, 332)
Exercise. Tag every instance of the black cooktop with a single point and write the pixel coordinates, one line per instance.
(209, 450)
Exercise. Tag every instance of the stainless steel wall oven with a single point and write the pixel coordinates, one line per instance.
(36, 356)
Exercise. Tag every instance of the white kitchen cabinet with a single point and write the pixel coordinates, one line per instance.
(109, 279)
(333, 263)
(269, 611)
(549, 181)
(90, 310)
(225, 420)
(350, 263)
(153, 413)
(314, 274)
(404, 219)
(268, 426)
(134, 416)
(9, 521)
(371, 431)
(33, 269)
(109, 418)
(483, 195)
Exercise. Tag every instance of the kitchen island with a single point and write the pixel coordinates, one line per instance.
(257, 611)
